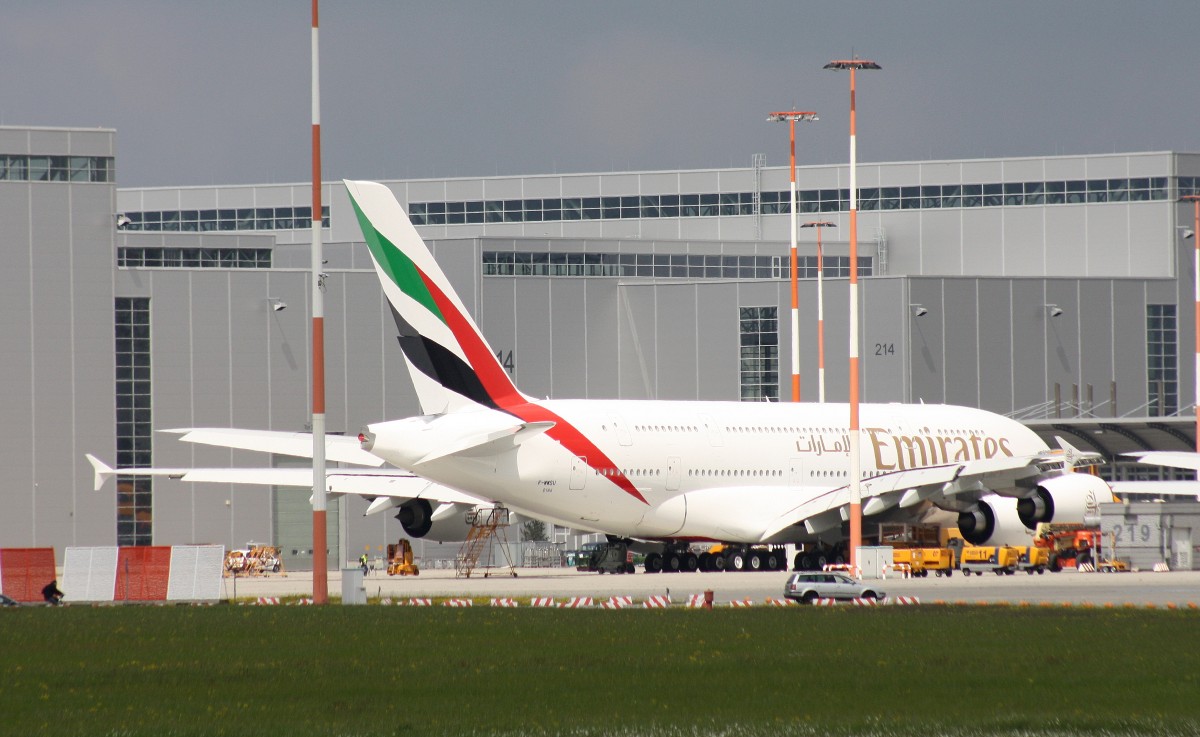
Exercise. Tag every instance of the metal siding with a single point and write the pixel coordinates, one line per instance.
(1129, 325)
(996, 352)
(602, 338)
(983, 241)
(1024, 243)
(885, 311)
(941, 247)
(1029, 345)
(1096, 357)
(926, 336)
(17, 524)
(248, 346)
(1062, 341)
(1107, 242)
(717, 317)
(637, 331)
(678, 342)
(568, 350)
(534, 338)
(962, 341)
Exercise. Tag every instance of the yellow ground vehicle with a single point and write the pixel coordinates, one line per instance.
(939, 560)
(977, 559)
(400, 560)
(1033, 559)
(912, 558)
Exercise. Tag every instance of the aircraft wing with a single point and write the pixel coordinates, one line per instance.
(385, 483)
(1171, 459)
(948, 486)
(341, 448)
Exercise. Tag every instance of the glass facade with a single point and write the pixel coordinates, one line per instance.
(129, 257)
(240, 219)
(724, 204)
(1162, 360)
(663, 265)
(759, 359)
(134, 493)
(21, 168)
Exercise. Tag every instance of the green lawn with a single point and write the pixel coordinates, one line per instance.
(932, 670)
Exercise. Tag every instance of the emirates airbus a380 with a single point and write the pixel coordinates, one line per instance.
(662, 474)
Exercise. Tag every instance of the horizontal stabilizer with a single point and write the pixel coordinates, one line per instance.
(338, 448)
(489, 443)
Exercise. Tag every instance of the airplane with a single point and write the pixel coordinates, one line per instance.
(659, 475)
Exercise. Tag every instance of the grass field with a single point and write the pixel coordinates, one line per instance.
(944, 670)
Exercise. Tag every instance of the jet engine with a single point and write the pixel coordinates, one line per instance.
(416, 517)
(445, 523)
(1071, 497)
(1001, 520)
(977, 524)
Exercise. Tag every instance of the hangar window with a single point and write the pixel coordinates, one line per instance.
(133, 431)
(759, 354)
(1162, 353)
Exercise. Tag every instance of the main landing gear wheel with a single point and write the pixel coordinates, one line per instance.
(654, 563)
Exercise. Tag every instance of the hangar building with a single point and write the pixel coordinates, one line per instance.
(1054, 289)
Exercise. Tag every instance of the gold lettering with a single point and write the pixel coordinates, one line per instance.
(878, 445)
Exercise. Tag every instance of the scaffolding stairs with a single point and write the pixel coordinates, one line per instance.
(487, 523)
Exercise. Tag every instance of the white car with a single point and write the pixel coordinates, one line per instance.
(808, 587)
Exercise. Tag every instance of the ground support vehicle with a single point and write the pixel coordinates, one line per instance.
(941, 561)
(1114, 565)
(975, 559)
(909, 560)
(255, 559)
(400, 560)
(807, 587)
(1069, 546)
(1033, 559)
(613, 556)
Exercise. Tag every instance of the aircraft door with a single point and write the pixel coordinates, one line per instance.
(795, 473)
(673, 474)
(622, 430)
(714, 431)
(579, 469)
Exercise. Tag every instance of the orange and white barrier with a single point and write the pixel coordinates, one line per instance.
(825, 602)
(420, 602)
(141, 574)
(385, 601)
(695, 601)
(504, 602)
(904, 569)
(306, 601)
(618, 602)
(267, 600)
(577, 602)
(772, 601)
(865, 602)
(738, 603)
(458, 602)
(657, 602)
(902, 600)
(542, 601)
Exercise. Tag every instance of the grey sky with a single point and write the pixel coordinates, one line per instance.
(217, 92)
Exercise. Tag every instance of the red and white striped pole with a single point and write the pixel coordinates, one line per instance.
(855, 461)
(818, 224)
(1195, 200)
(791, 117)
(320, 544)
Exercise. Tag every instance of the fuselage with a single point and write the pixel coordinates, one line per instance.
(640, 463)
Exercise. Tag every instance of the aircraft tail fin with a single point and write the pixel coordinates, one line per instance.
(450, 362)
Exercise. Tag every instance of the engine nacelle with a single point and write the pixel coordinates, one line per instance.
(977, 524)
(445, 523)
(1069, 498)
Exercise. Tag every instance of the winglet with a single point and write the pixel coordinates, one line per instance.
(1074, 456)
(103, 472)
